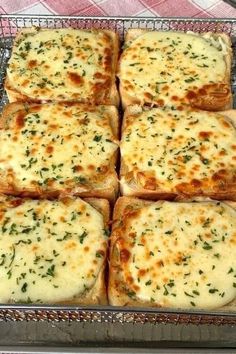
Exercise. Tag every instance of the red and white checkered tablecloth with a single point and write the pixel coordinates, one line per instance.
(176, 8)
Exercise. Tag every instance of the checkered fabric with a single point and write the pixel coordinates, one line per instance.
(175, 8)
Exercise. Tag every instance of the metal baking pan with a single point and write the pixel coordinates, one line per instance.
(112, 326)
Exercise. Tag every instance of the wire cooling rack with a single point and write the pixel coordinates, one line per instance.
(9, 25)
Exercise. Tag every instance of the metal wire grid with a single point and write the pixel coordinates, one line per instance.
(9, 25)
(112, 316)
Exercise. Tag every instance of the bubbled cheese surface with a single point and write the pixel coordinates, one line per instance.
(183, 255)
(163, 66)
(49, 251)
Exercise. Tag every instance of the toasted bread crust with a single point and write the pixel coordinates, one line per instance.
(119, 293)
(117, 296)
(112, 94)
(107, 189)
(135, 190)
(217, 97)
(97, 294)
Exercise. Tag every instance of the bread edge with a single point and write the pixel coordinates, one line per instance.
(98, 293)
(134, 33)
(114, 99)
(110, 188)
(120, 298)
(126, 190)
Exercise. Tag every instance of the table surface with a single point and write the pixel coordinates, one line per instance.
(153, 8)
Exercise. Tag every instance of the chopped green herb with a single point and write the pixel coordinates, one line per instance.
(149, 282)
(82, 237)
(212, 291)
(97, 138)
(51, 271)
(24, 287)
(206, 246)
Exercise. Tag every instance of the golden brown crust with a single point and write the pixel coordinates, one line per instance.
(119, 294)
(219, 188)
(117, 291)
(107, 188)
(103, 92)
(15, 96)
(101, 205)
(211, 97)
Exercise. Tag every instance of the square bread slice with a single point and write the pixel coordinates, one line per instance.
(53, 251)
(176, 69)
(63, 65)
(58, 148)
(169, 154)
(176, 255)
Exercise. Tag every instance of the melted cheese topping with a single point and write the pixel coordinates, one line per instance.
(178, 147)
(55, 147)
(161, 67)
(62, 64)
(183, 255)
(49, 251)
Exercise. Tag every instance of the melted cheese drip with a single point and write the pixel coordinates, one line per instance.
(49, 250)
(79, 143)
(167, 64)
(181, 255)
(178, 146)
(42, 61)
